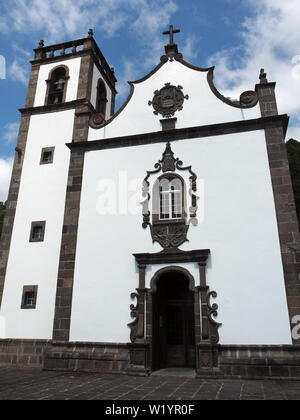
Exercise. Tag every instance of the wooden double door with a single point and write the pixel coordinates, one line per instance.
(173, 323)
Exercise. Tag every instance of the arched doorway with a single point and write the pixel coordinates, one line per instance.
(173, 320)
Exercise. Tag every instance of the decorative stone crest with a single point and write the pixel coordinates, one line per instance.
(168, 100)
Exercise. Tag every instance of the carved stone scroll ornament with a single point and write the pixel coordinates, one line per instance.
(168, 100)
(248, 98)
(213, 312)
(97, 120)
(209, 311)
(169, 234)
(134, 314)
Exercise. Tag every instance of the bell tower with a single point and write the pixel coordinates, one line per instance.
(69, 82)
(90, 89)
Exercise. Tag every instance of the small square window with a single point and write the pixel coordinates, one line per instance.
(29, 297)
(37, 232)
(47, 155)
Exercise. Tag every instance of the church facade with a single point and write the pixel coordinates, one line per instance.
(161, 235)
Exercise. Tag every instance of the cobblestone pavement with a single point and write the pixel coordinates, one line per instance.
(18, 384)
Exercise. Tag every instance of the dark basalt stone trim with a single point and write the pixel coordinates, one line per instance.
(235, 104)
(89, 46)
(34, 290)
(104, 75)
(180, 59)
(14, 188)
(53, 108)
(22, 353)
(163, 60)
(250, 362)
(65, 57)
(32, 86)
(287, 222)
(95, 127)
(280, 121)
(88, 357)
(84, 53)
(41, 224)
(12, 200)
(168, 124)
(235, 361)
(171, 269)
(210, 77)
(64, 289)
(173, 256)
(59, 46)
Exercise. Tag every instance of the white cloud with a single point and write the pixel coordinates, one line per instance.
(5, 174)
(293, 132)
(11, 132)
(190, 48)
(151, 15)
(60, 18)
(270, 40)
(18, 71)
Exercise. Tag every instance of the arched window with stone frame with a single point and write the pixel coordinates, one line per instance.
(169, 201)
(101, 101)
(57, 85)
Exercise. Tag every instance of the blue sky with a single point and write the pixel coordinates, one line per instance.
(237, 36)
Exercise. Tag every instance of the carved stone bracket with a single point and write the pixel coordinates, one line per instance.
(134, 314)
(138, 310)
(209, 311)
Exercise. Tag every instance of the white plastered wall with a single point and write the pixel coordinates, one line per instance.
(202, 108)
(237, 222)
(41, 197)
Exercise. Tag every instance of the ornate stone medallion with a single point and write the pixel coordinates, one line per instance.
(248, 98)
(168, 100)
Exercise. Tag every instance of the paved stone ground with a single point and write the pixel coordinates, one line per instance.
(16, 384)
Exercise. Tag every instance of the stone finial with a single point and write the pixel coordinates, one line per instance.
(91, 33)
(41, 43)
(263, 77)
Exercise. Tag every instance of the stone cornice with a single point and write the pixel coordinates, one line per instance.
(176, 256)
(186, 133)
(64, 106)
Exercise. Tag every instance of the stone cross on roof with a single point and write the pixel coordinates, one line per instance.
(171, 32)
